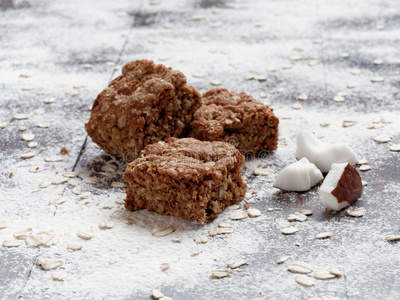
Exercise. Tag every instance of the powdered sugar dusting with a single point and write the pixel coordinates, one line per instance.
(124, 261)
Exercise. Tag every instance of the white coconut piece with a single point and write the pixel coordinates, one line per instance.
(323, 155)
(341, 187)
(298, 177)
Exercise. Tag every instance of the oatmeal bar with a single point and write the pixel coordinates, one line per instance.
(144, 105)
(238, 119)
(185, 178)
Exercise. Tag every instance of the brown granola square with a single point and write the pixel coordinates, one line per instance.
(238, 119)
(185, 178)
(144, 105)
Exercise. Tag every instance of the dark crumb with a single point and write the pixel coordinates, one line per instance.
(246, 206)
(11, 175)
(64, 151)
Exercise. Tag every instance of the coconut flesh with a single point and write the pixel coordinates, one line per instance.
(341, 187)
(298, 177)
(323, 155)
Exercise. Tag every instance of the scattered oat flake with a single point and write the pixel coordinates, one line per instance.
(355, 71)
(323, 275)
(84, 235)
(253, 212)
(282, 259)
(365, 168)
(74, 246)
(318, 41)
(296, 57)
(26, 88)
(233, 207)
(221, 273)
(198, 17)
(27, 137)
(91, 180)
(287, 67)
(348, 123)
(27, 155)
(12, 243)
(314, 62)
(161, 231)
(85, 195)
(103, 225)
(3, 224)
(23, 233)
(338, 98)
(201, 239)
(3, 125)
(351, 85)
(260, 77)
(324, 235)
(215, 82)
(237, 263)
(23, 128)
(117, 184)
(297, 216)
(59, 276)
(51, 239)
(177, 239)
(378, 61)
(26, 74)
(263, 172)
(395, 148)
(289, 230)
(36, 169)
(53, 158)
(44, 183)
(263, 95)
(306, 212)
(224, 225)
(303, 97)
(49, 263)
(70, 174)
(213, 231)
(38, 111)
(297, 106)
(34, 241)
(335, 271)
(58, 200)
(164, 266)
(304, 280)
(238, 215)
(300, 267)
(87, 66)
(43, 125)
(198, 75)
(76, 190)
(156, 294)
(49, 100)
(379, 27)
(393, 237)
(357, 212)
(383, 138)
(71, 93)
(364, 183)
(225, 230)
(216, 24)
(280, 90)
(59, 180)
(344, 55)
(377, 79)
(362, 161)
(20, 116)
